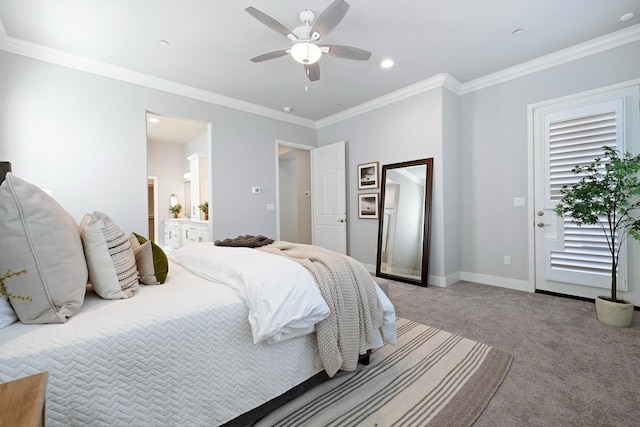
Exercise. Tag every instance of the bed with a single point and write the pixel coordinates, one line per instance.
(182, 353)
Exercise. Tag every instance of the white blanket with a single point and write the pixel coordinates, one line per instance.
(283, 299)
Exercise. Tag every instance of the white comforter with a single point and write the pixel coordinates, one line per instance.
(282, 296)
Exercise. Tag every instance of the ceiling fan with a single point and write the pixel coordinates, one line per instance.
(306, 38)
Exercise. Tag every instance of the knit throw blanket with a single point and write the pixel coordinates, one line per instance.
(349, 290)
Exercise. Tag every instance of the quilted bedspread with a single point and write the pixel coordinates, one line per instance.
(176, 354)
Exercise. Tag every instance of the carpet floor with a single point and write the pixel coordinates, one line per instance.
(430, 378)
(569, 369)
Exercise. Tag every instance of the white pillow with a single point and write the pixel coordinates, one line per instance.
(7, 315)
(112, 265)
(39, 236)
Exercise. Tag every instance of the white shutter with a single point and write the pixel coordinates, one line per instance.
(576, 137)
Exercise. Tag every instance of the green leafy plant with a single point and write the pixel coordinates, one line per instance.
(607, 190)
(3, 287)
(176, 209)
(204, 207)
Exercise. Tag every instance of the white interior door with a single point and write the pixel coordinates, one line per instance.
(329, 200)
(573, 260)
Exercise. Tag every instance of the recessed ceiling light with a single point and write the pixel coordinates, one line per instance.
(163, 43)
(287, 109)
(626, 17)
(339, 105)
(517, 32)
(387, 63)
(154, 120)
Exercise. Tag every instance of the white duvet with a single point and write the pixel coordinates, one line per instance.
(282, 297)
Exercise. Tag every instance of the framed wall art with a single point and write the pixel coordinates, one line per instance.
(368, 206)
(368, 176)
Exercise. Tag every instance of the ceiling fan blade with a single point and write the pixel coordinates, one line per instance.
(312, 71)
(270, 55)
(271, 22)
(346, 52)
(328, 19)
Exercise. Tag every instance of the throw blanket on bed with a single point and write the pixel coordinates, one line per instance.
(347, 287)
(247, 241)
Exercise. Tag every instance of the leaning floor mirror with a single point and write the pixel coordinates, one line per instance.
(404, 221)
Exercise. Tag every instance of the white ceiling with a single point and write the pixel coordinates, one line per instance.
(211, 42)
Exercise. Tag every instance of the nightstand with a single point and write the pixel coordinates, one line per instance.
(22, 401)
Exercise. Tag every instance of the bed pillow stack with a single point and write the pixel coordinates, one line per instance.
(112, 265)
(39, 236)
(152, 262)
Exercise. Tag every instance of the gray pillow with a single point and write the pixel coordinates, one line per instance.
(38, 235)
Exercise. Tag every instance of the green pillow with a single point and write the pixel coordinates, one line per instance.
(152, 262)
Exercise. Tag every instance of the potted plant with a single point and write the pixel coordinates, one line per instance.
(204, 207)
(607, 194)
(176, 209)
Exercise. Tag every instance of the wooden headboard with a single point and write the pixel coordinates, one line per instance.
(4, 168)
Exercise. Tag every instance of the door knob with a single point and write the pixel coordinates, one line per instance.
(341, 220)
(540, 213)
(541, 224)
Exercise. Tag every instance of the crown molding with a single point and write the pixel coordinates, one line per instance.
(36, 51)
(440, 80)
(600, 44)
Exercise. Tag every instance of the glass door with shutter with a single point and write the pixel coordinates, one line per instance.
(569, 259)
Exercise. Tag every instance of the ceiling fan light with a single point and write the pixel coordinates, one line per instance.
(306, 53)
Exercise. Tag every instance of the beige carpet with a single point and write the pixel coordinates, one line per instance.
(431, 377)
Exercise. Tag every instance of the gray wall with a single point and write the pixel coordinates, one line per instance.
(406, 130)
(494, 159)
(84, 136)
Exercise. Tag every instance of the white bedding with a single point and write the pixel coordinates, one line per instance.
(181, 353)
(283, 299)
(281, 295)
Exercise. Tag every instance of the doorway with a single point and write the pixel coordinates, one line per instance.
(170, 142)
(293, 183)
(152, 202)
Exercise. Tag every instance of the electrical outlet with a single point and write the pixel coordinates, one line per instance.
(507, 260)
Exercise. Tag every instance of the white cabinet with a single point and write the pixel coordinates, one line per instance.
(179, 233)
(194, 232)
(172, 235)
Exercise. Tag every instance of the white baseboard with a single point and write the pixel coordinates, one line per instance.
(484, 279)
(503, 282)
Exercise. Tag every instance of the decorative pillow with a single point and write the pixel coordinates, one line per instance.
(112, 265)
(7, 315)
(39, 236)
(152, 262)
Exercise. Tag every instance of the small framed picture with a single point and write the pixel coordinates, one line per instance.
(368, 176)
(368, 206)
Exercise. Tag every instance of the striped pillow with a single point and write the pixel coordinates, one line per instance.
(112, 264)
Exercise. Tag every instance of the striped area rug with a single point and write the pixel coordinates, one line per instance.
(431, 377)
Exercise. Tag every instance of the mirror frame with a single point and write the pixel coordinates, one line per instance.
(427, 221)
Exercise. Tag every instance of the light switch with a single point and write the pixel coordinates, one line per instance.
(271, 206)
(518, 201)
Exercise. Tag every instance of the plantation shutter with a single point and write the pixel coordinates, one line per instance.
(576, 137)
